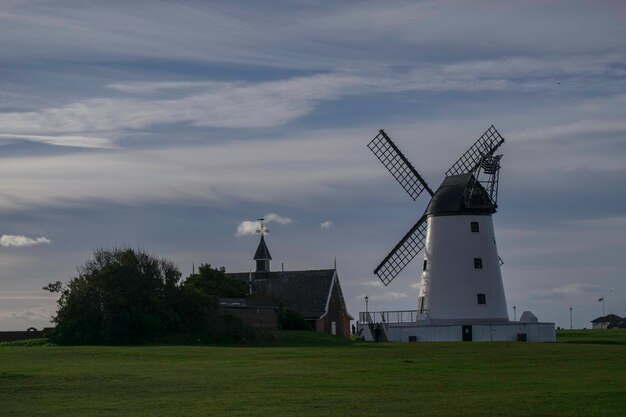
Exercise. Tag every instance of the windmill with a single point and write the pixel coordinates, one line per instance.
(461, 278)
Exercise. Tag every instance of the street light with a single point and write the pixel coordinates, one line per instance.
(366, 300)
(571, 327)
(514, 313)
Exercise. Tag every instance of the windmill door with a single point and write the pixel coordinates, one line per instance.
(467, 333)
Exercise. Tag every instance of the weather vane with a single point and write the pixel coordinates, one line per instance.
(262, 229)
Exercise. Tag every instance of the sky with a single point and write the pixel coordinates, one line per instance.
(172, 127)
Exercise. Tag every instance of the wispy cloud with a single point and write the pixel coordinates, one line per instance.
(225, 32)
(566, 291)
(27, 295)
(249, 227)
(276, 218)
(63, 140)
(326, 224)
(387, 296)
(230, 171)
(220, 104)
(262, 104)
(589, 128)
(143, 87)
(19, 241)
(38, 314)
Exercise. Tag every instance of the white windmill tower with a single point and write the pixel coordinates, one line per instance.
(461, 279)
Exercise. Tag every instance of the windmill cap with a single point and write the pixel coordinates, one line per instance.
(450, 197)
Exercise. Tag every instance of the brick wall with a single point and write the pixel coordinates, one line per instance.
(266, 318)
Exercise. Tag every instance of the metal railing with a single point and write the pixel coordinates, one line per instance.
(400, 316)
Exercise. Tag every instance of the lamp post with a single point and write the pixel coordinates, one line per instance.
(514, 313)
(571, 326)
(366, 300)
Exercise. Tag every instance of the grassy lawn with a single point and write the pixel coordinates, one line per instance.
(330, 378)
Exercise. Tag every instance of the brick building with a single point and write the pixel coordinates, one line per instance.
(314, 294)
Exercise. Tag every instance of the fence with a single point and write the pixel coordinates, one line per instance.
(400, 316)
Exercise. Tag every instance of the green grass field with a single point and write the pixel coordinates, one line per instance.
(585, 375)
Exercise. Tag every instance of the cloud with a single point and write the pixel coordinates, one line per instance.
(326, 224)
(19, 241)
(373, 283)
(345, 36)
(248, 227)
(566, 291)
(222, 172)
(590, 128)
(63, 140)
(39, 314)
(216, 104)
(92, 122)
(387, 296)
(27, 295)
(275, 218)
(142, 87)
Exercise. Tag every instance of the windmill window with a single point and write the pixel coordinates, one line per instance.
(425, 265)
(478, 263)
(475, 227)
(481, 299)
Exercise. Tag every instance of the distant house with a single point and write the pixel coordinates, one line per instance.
(607, 322)
(30, 333)
(314, 294)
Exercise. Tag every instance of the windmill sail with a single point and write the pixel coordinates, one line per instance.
(388, 153)
(403, 253)
(470, 160)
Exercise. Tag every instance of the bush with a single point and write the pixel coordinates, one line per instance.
(124, 296)
(288, 319)
(120, 296)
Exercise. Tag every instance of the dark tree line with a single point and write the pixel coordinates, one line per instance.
(126, 296)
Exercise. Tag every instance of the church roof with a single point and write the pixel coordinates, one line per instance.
(306, 292)
(261, 251)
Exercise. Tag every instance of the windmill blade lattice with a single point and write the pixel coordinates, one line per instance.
(388, 153)
(403, 253)
(485, 145)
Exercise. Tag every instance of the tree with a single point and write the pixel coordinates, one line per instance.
(120, 296)
(126, 296)
(289, 319)
(199, 311)
(215, 282)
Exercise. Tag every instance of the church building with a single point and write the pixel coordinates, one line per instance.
(314, 294)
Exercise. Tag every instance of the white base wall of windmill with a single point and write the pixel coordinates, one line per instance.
(457, 332)
(453, 287)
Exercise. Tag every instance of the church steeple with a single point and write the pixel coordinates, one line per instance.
(262, 255)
